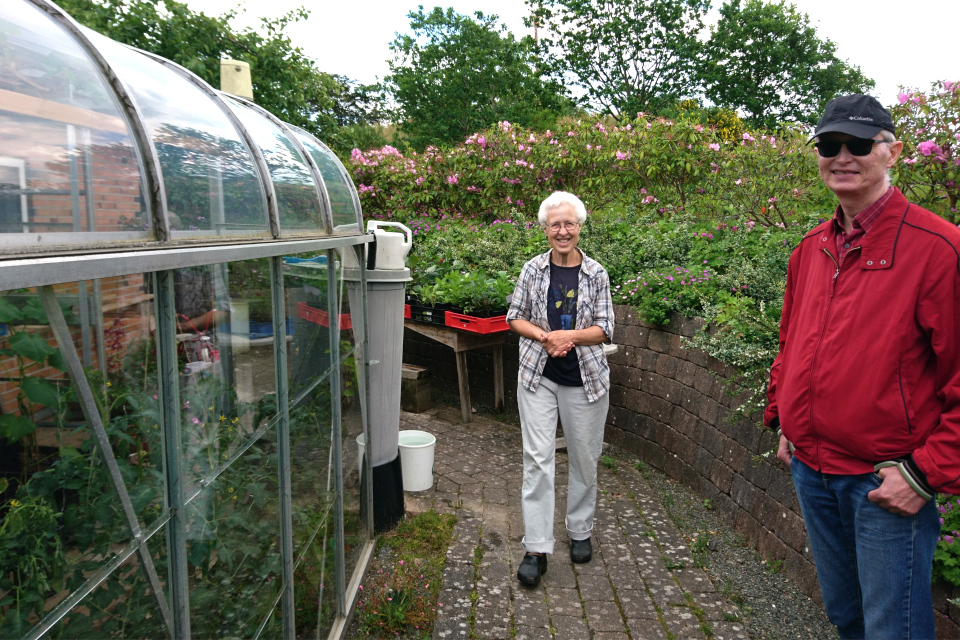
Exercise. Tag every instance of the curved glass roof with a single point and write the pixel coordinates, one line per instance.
(103, 145)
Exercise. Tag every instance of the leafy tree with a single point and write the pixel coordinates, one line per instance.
(766, 60)
(459, 74)
(285, 81)
(629, 55)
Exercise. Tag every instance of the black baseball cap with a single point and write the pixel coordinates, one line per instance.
(856, 115)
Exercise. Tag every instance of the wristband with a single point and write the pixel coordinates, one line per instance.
(917, 484)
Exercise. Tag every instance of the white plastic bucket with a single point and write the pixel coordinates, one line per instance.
(416, 458)
(361, 444)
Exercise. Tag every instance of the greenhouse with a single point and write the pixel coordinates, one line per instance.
(169, 466)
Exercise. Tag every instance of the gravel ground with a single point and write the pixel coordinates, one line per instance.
(775, 608)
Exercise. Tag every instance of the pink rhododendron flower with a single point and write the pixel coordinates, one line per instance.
(903, 97)
(739, 181)
(928, 147)
(909, 161)
(621, 156)
(714, 146)
(948, 85)
(748, 138)
(482, 142)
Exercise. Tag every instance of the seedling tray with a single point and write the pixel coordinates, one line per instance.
(322, 317)
(474, 324)
(427, 315)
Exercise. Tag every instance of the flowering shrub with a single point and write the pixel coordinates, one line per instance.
(663, 165)
(929, 126)
(946, 558)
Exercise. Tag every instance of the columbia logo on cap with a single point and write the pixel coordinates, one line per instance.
(860, 118)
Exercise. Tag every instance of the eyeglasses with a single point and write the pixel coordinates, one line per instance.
(856, 146)
(566, 226)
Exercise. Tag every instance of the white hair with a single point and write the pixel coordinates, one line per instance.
(559, 198)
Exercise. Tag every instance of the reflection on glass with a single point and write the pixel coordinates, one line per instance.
(308, 353)
(225, 351)
(297, 198)
(67, 163)
(210, 180)
(233, 546)
(335, 177)
(354, 531)
(311, 473)
(314, 584)
(349, 298)
(123, 606)
(312, 492)
(63, 516)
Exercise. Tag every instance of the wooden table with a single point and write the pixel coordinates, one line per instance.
(461, 342)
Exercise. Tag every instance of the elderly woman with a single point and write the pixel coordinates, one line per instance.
(563, 312)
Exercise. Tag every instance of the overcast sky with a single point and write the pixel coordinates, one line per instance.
(902, 43)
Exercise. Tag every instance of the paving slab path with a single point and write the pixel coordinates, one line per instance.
(641, 584)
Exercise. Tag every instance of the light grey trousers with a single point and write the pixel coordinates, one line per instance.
(583, 430)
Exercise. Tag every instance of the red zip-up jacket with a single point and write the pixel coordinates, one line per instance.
(869, 362)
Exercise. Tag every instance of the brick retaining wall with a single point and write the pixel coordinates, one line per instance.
(668, 406)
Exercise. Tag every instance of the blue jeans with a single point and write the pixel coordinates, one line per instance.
(874, 566)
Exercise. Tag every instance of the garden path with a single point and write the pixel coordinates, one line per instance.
(641, 584)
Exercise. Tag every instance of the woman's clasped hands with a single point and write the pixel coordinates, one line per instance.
(557, 343)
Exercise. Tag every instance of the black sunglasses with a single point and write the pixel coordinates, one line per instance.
(856, 146)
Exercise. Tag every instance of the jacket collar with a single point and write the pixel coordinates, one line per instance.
(877, 246)
(588, 265)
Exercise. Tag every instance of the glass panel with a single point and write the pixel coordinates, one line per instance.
(123, 606)
(312, 486)
(66, 511)
(211, 183)
(233, 546)
(312, 492)
(349, 296)
(67, 161)
(337, 180)
(297, 198)
(225, 351)
(354, 532)
(305, 288)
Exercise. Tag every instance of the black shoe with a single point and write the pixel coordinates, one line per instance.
(531, 568)
(580, 551)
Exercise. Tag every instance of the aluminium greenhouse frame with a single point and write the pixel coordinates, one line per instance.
(46, 263)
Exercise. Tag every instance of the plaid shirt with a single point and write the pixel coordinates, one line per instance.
(861, 224)
(594, 307)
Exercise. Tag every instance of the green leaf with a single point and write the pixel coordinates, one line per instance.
(55, 360)
(41, 391)
(33, 310)
(31, 346)
(9, 314)
(15, 427)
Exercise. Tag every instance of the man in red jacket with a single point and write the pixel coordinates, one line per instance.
(866, 387)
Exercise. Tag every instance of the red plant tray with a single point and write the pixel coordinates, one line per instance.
(406, 312)
(474, 324)
(321, 317)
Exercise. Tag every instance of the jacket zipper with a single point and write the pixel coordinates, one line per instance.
(823, 330)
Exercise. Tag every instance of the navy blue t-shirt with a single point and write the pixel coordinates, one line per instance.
(562, 314)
